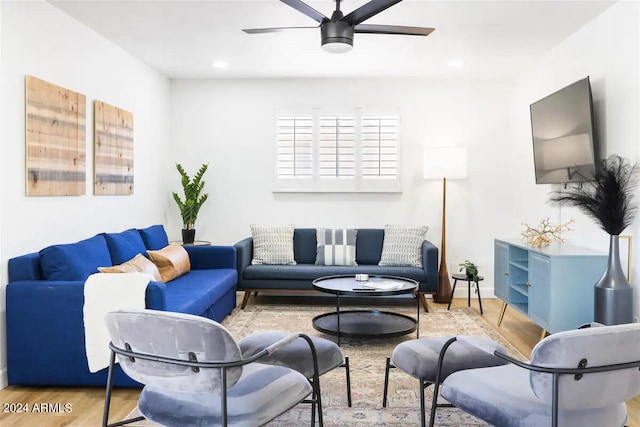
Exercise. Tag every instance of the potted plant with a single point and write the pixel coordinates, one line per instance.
(193, 201)
(470, 269)
(608, 200)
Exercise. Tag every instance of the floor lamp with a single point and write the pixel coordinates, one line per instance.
(444, 163)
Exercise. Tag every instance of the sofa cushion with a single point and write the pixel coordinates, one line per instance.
(74, 261)
(154, 237)
(139, 264)
(304, 245)
(272, 244)
(369, 246)
(172, 261)
(124, 246)
(195, 292)
(403, 245)
(311, 272)
(336, 246)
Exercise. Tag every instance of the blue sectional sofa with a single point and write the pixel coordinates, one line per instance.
(45, 297)
(260, 278)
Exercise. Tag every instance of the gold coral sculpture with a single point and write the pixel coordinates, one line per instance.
(545, 233)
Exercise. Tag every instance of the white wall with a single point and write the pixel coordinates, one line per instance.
(230, 124)
(607, 50)
(40, 40)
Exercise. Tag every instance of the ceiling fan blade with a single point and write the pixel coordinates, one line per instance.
(393, 29)
(367, 10)
(273, 30)
(306, 9)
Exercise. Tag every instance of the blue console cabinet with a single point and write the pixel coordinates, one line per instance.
(553, 285)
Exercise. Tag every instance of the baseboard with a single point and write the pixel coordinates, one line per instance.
(4, 379)
(485, 292)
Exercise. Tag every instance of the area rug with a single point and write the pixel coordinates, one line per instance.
(367, 359)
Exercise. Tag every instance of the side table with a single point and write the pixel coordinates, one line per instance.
(469, 281)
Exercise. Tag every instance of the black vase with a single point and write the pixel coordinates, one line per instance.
(613, 293)
(188, 236)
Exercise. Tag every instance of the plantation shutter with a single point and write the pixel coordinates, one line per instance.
(294, 147)
(337, 147)
(380, 144)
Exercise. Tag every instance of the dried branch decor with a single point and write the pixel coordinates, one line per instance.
(545, 233)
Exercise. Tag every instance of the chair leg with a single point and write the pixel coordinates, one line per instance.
(386, 382)
(245, 300)
(107, 399)
(434, 405)
(313, 406)
(319, 403)
(348, 374)
(422, 409)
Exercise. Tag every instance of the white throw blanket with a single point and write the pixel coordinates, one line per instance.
(105, 292)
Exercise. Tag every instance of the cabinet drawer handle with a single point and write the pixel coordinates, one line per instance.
(529, 284)
(506, 273)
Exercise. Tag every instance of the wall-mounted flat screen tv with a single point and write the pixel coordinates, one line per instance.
(564, 137)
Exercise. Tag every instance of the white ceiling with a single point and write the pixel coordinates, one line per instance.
(181, 38)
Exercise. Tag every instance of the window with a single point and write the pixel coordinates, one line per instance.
(353, 152)
(295, 150)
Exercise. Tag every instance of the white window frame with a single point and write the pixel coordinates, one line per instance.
(344, 184)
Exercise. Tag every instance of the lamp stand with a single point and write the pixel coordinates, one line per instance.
(444, 286)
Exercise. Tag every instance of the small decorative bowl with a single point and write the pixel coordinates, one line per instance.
(362, 277)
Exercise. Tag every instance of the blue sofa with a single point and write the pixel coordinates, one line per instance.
(45, 298)
(260, 278)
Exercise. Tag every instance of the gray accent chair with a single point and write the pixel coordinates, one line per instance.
(577, 378)
(431, 360)
(194, 373)
(297, 355)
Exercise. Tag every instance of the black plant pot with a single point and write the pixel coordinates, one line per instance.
(188, 236)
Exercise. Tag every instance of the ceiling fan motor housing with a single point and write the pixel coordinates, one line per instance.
(336, 32)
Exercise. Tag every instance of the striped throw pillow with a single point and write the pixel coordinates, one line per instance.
(272, 244)
(336, 247)
(402, 245)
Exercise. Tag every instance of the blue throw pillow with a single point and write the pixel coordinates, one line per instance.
(154, 237)
(124, 246)
(75, 261)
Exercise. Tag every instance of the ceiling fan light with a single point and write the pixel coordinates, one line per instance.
(337, 46)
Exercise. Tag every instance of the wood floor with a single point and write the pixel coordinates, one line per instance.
(84, 405)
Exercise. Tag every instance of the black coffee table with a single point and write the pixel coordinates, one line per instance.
(366, 323)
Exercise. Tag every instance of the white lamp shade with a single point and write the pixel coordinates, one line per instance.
(445, 162)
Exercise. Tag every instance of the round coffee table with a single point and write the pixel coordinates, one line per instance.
(366, 323)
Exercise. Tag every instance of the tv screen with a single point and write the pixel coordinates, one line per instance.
(563, 131)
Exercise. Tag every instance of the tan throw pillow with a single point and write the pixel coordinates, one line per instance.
(172, 261)
(138, 264)
(272, 245)
(402, 245)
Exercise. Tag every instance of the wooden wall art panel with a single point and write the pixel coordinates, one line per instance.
(113, 129)
(55, 140)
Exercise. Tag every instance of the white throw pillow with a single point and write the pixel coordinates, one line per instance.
(402, 245)
(336, 247)
(272, 244)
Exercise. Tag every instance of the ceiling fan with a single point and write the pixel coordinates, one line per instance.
(337, 32)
